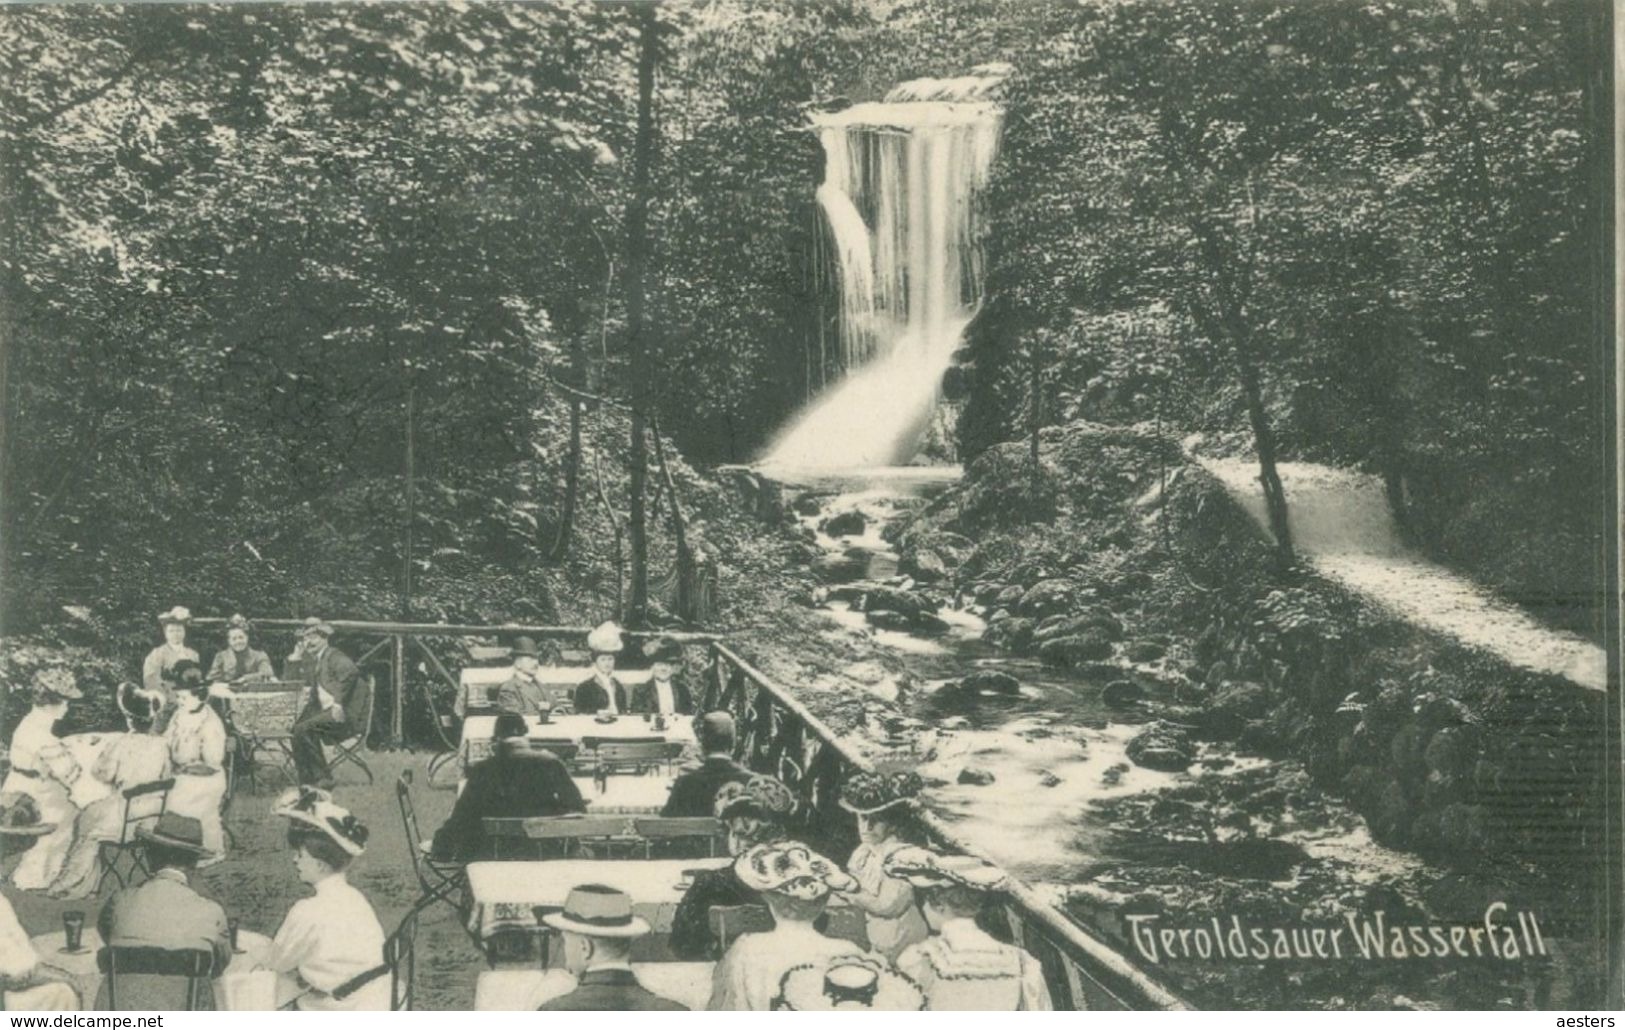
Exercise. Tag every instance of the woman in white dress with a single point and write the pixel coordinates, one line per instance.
(330, 943)
(158, 671)
(197, 754)
(128, 760)
(43, 769)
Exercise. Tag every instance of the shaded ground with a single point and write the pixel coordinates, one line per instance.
(257, 883)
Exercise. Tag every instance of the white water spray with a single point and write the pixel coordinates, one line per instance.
(899, 196)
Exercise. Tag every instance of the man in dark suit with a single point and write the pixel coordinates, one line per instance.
(694, 792)
(666, 691)
(335, 701)
(515, 783)
(597, 928)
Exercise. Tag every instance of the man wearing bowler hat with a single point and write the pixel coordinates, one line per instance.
(666, 691)
(597, 927)
(164, 913)
(335, 700)
(524, 693)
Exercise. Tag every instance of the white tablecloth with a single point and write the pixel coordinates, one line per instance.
(505, 894)
(241, 988)
(518, 990)
(477, 730)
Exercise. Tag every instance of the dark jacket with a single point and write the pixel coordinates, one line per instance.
(691, 937)
(591, 698)
(610, 990)
(646, 699)
(506, 786)
(335, 673)
(694, 792)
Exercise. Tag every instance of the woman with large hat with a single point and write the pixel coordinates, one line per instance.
(880, 801)
(756, 811)
(332, 938)
(962, 967)
(847, 983)
(602, 692)
(158, 671)
(43, 769)
(197, 754)
(666, 691)
(128, 760)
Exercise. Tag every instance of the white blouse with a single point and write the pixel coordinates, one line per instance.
(329, 939)
(197, 738)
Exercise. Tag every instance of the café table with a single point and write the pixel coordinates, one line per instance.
(506, 895)
(520, 990)
(241, 988)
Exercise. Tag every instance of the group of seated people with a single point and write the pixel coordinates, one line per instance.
(328, 953)
(666, 692)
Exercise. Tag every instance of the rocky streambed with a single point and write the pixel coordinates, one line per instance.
(1111, 766)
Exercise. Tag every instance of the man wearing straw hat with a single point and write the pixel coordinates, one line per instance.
(333, 701)
(165, 912)
(597, 928)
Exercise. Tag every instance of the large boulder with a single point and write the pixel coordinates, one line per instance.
(1046, 597)
(1069, 652)
(975, 776)
(891, 599)
(847, 523)
(1240, 701)
(884, 619)
(1162, 746)
(1010, 635)
(1010, 596)
(1144, 651)
(1098, 620)
(837, 568)
(925, 565)
(989, 681)
(1122, 694)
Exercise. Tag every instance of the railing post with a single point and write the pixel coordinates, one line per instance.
(397, 736)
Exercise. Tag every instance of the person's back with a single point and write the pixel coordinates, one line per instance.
(164, 913)
(512, 784)
(694, 792)
(964, 969)
(610, 990)
(748, 976)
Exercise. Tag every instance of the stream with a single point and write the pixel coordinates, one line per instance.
(1038, 777)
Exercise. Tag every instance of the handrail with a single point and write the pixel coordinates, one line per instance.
(1113, 973)
(442, 629)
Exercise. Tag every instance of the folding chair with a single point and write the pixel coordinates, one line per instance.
(438, 879)
(122, 859)
(195, 966)
(353, 750)
(729, 921)
(682, 836)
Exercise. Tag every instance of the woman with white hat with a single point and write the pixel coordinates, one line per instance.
(44, 769)
(961, 967)
(331, 940)
(602, 692)
(158, 671)
(880, 800)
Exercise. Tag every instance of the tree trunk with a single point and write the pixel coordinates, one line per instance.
(637, 257)
(1264, 441)
(572, 485)
(1035, 406)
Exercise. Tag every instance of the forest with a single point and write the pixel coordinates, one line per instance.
(265, 263)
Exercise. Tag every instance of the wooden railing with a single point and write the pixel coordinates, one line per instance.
(779, 736)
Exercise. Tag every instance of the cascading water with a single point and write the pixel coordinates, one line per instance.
(899, 197)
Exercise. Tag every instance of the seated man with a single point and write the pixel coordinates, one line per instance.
(165, 913)
(597, 928)
(666, 692)
(335, 699)
(796, 884)
(524, 693)
(516, 782)
(694, 793)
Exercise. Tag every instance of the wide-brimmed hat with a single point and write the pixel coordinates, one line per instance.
(177, 614)
(174, 830)
(316, 625)
(597, 911)
(759, 795)
(922, 867)
(791, 869)
(663, 649)
(525, 646)
(866, 793)
(606, 639)
(137, 702)
(58, 682)
(315, 808)
(855, 983)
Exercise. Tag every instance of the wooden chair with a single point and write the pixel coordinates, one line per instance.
(353, 750)
(729, 921)
(569, 832)
(195, 966)
(638, 756)
(685, 835)
(122, 859)
(438, 879)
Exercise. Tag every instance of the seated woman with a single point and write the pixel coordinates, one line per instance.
(43, 769)
(158, 671)
(27, 983)
(756, 812)
(197, 754)
(129, 760)
(331, 939)
(878, 800)
(239, 663)
(961, 967)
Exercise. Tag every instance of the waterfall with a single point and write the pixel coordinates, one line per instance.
(899, 202)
